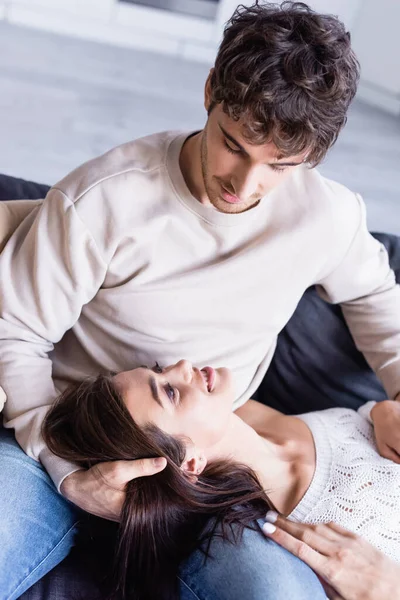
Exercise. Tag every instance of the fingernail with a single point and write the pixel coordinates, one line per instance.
(271, 516)
(159, 462)
(269, 528)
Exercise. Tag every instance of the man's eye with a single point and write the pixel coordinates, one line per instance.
(230, 149)
(278, 169)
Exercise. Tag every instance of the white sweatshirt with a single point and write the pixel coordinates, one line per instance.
(352, 485)
(120, 266)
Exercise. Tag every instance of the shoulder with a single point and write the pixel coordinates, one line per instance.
(330, 212)
(118, 192)
(119, 166)
(325, 196)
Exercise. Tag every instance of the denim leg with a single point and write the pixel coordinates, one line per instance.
(67, 581)
(257, 568)
(37, 525)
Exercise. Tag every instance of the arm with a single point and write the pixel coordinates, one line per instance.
(49, 269)
(53, 265)
(365, 286)
(363, 283)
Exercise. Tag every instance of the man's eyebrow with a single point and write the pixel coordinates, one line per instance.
(232, 139)
(154, 390)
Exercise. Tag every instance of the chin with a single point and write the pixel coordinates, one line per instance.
(224, 207)
(225, 384)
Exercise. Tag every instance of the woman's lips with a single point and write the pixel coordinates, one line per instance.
(209, 375)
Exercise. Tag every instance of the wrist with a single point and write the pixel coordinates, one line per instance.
(70, 485)
(366, 409)
(371, 414)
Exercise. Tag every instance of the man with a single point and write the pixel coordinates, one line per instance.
(196, 245)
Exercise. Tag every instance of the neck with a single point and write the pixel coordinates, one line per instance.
(267, 458)
(190, 165)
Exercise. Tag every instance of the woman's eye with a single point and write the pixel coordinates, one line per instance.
(170, 392)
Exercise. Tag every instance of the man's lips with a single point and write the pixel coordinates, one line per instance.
(229, 197)
(208, 374)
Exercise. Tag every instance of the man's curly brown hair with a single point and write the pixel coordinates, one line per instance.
(289, 74)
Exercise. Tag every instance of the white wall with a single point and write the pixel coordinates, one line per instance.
(346, 10)
(376, 40)
(374, 27)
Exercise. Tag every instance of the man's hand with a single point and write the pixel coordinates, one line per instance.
(348, 567)
(101, 489)
(386, 419)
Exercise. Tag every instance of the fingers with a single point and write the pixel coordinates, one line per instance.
(118, 473)
(389, 453)
(318, 537)
(302, 550)
(341, 530)
(144, 467)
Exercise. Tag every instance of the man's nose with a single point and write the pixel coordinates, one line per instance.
(247, 183)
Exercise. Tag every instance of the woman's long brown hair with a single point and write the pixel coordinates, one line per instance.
(165, 517)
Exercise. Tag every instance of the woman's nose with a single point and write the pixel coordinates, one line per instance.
(186, 369)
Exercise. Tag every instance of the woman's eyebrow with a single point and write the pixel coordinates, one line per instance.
(153, 387)
(154, 390)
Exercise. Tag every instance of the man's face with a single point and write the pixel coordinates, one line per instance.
(236, 174)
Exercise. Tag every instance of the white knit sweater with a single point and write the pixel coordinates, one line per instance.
(352, 485)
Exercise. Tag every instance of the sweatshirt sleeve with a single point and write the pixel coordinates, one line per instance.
(365, 411)
(365, 286)
(49, 269)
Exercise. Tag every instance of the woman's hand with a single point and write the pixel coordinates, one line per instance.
(101, 489)
(348, 566)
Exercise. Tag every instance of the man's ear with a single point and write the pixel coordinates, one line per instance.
(207, 91)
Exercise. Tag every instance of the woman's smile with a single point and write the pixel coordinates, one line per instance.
(209, 375)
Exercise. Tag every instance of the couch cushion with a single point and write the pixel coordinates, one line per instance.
(12, 188)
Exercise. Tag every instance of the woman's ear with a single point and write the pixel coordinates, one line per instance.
(194, 463)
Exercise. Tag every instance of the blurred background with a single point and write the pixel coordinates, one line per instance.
(78, 77)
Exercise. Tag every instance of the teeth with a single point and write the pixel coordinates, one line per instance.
(206, 376)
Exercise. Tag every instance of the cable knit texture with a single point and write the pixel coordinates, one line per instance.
(352, 485)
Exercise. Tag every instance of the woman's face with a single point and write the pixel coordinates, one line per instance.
(180, 399)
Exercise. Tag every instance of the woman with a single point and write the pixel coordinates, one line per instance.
(220, 466)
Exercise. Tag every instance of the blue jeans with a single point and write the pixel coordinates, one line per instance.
(38, 529)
